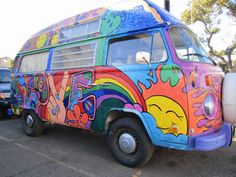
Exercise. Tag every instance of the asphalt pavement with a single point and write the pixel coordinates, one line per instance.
(68, 152)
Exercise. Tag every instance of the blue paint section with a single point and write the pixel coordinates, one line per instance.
(9, 112)
(124, 21)
(146, 75)
(17, 63)
(215, 140)
(32, 101)
(220, 138)
(49, 60)
(158, 135)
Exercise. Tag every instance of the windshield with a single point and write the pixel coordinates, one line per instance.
(5, 76)
(187, 47)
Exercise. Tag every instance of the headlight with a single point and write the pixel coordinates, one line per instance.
(210, 106)
(4, 95)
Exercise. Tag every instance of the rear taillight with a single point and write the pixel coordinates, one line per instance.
(4, 95)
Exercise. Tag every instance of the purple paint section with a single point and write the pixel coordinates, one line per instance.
(171, 47)
(102, 98)
(203, 122)
(199, 112)
(215, 140)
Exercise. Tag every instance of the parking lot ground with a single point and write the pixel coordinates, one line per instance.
(68, 152)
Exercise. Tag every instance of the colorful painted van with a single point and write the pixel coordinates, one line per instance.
(132, 72)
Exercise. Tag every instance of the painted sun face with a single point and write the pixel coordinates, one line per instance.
(55, 39)
(41, 41)
(170, 117)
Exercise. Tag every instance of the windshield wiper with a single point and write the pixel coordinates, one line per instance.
(195, 54)
(200, 55)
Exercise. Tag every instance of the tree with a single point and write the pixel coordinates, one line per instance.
(6, 62)
(209, 12)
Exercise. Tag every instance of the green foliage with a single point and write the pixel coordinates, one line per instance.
(207, 12)
(199, 10)
(11, 63)
(229, 5)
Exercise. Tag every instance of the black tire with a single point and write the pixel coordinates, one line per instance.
(2, 114)
(34, 128)
(143, 148)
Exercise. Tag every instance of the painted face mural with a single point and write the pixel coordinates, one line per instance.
(41, 41)
(166, 106)
(169, 115)
(54, 40)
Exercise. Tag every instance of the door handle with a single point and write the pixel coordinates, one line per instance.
(105, 84)
(101, 84)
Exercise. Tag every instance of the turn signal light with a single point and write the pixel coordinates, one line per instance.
(208, 80)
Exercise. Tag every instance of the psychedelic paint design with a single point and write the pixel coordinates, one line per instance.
(168, 97)
(77, 103)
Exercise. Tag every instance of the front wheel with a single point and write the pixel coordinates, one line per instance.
(129, 142)
(32, 125)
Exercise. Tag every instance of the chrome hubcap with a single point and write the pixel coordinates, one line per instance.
(127, 143)
(29, 121)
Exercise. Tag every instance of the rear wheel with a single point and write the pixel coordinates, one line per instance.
(1, 114)
(32, 125)
(129, 142)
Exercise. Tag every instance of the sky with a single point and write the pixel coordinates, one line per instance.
(21, 19)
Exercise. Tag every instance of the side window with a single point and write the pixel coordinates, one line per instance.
(122, 51)
(74, 56)
(34, 63)
(16, 64)
(80, 30)
(159, 53)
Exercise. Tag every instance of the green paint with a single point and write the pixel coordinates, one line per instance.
(110, 24)
(87, 76)
(171, 73)
(100, 51)
(98, 124)
(67, 93)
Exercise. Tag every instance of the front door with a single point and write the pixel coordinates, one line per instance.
(82, 103)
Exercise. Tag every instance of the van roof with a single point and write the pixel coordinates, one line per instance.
(121, 17)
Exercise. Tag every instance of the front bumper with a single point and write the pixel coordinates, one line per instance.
(5, 103)
(215, 140)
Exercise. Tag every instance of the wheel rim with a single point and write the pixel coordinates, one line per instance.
(127, 143)
(29, 121)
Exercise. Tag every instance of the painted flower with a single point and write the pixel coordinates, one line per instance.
(76, 118)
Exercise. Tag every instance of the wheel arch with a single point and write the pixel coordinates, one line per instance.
(115, 114)
(26, 109)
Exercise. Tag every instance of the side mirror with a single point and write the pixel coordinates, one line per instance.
(143, 57)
